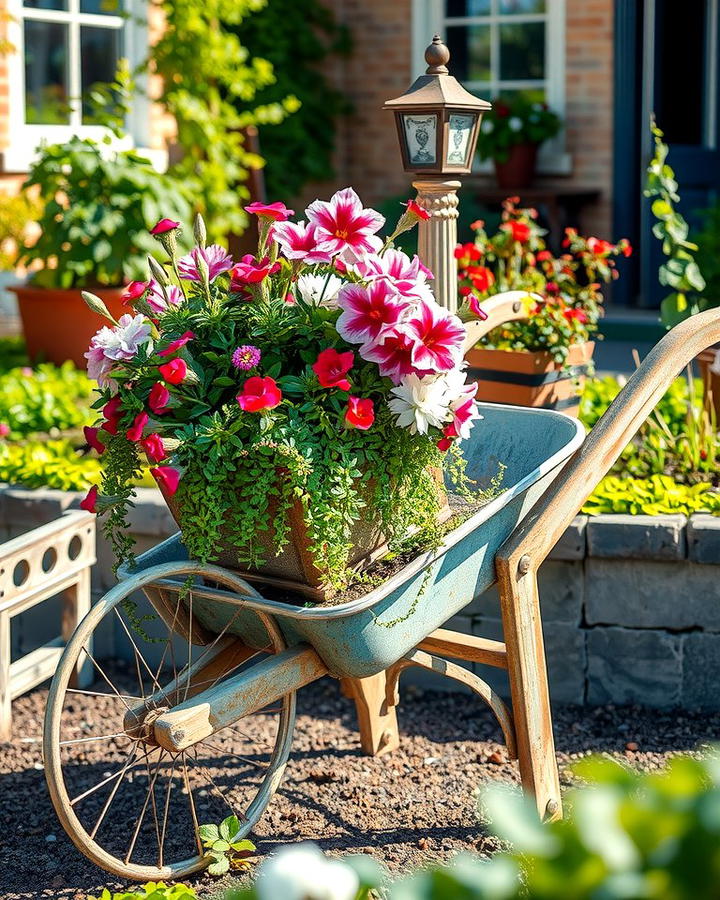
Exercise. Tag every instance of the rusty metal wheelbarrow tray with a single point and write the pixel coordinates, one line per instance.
(367, 635)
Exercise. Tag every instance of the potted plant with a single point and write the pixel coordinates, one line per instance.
(93, 235)
(542, 359)
(510, 135)
(296, 406)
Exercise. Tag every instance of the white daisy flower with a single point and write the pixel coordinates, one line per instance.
(420, 403)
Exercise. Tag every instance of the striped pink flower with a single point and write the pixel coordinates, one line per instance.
(368, 312)
(344, 227)
(438, 338)
(299, 240)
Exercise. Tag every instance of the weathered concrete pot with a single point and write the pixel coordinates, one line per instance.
(522, 378)
(294, 566)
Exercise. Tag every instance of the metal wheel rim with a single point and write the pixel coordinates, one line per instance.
(55, 702)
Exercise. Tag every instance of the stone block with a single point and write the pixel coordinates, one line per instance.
(703, 537)
(674, 596)
(701, 671)
(637, 537)
(26, 509)
(633, 666)
(572, 544)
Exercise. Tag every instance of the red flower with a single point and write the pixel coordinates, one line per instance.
(259, 393)
(112, 413)
(278, 212)
(476, 309)
(626, 248)
(163, 226)
(465, 291)
(552, 288)
(477, 224)
(5, 429)
(175, 345)
(359, 413)
(88, 503)
(250, 271)
(450, 432)
(331, 368)
(414, 209)
(482, 278)
(153, 446)
(544, 255)
(174, 372)
(158, 399)
(134, 432)
(134, 290)
(520, 231)
(91, 436)
(502, 110)
(167, 479)
(577, 314)
(599, 247)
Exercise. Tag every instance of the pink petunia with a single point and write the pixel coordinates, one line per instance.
(134, 432)
(216, 258)
(438, 338)
(276, 212)
(174, 372)
(251, 271)
(360, 413)
(393, 355)
(332, 367)
(407, 275)
(344, 228)
(368, 312)
(177, 344)
(159, 399)
(89, 502)
(167, 479)
(91, 436)
(134, 290)
(300, 241)
(163, 226)
(154, 447)
(156, 299)
(258, 394)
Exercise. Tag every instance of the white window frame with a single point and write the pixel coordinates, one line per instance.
(24, 138)
(428, 18)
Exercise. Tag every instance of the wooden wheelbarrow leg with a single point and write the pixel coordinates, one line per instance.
(377, 719)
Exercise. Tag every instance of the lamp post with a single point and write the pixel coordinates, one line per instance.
(438, 122)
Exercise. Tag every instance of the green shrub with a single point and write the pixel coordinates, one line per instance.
(152, 891)
(45, 399)
(53, 464)
(12, 354)
(652, 496)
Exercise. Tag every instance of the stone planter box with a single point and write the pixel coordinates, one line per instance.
(631, 604)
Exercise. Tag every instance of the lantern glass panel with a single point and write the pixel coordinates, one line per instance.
(460, 127)
(421, 138)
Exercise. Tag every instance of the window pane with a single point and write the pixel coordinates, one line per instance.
(467, 7)
(522, 51)
(532, 95)
(46, 79)
(99, 54)
(469, 47)
(102, 7)
(513, 7)
(46, 4)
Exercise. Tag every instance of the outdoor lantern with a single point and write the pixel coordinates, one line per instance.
(437, 119)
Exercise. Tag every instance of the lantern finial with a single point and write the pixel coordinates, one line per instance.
(437, 57)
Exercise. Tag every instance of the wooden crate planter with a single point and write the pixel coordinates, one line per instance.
(54, 559)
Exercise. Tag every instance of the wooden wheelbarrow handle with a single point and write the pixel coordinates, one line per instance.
(555, 510)
(501, 308)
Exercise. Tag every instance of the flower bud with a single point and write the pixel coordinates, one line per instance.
(97, 305)
(203, 270)
(158, 272)
(199, 231)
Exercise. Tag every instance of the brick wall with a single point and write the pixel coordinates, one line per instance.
(4, 82)
(380, 68)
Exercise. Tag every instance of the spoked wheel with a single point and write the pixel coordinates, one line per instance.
(130, 805)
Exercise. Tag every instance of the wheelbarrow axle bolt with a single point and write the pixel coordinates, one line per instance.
(524, 565)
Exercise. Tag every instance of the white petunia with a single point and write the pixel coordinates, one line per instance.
(316, 289)
(303, 872)
(515, 124)
(420, 403)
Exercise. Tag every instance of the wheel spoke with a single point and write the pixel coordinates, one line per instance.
(109, 779)
(214, 787)
(102, 672)
(139, 820)
(114, 791)
(161, 861)
(102, 737)
(193, 811)
(138, 654)
(103, 694)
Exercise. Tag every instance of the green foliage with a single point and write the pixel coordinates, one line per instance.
(152, 891)
(13, 354)
(515, 120)
(680, 271)
(210, 86)
(46, 398)
(708, 255)
(98, 204)
(626, 836)
(297, 37)
(223, 847)
(653, 496)
(121, 471)
(47, 463)
(16, 213)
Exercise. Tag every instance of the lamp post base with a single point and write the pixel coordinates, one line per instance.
(437, 236)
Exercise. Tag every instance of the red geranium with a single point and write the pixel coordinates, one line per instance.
(259, 393)
(359, 413)
(331, 368)
(482, 278)
(577, 314)
(158, 399)
(520, 231)
(174, 372)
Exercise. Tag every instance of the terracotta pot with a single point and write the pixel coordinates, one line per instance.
(58, 325)
(711, 380)
(294, 567)
(519, 169)
(521, 378)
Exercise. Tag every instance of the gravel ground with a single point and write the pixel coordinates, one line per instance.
(407, 808)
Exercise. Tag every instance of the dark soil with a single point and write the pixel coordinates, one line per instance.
(415, 805)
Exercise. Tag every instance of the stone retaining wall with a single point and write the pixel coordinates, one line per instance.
(631, 604)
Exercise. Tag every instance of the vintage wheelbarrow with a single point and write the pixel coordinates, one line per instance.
(200, 719)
